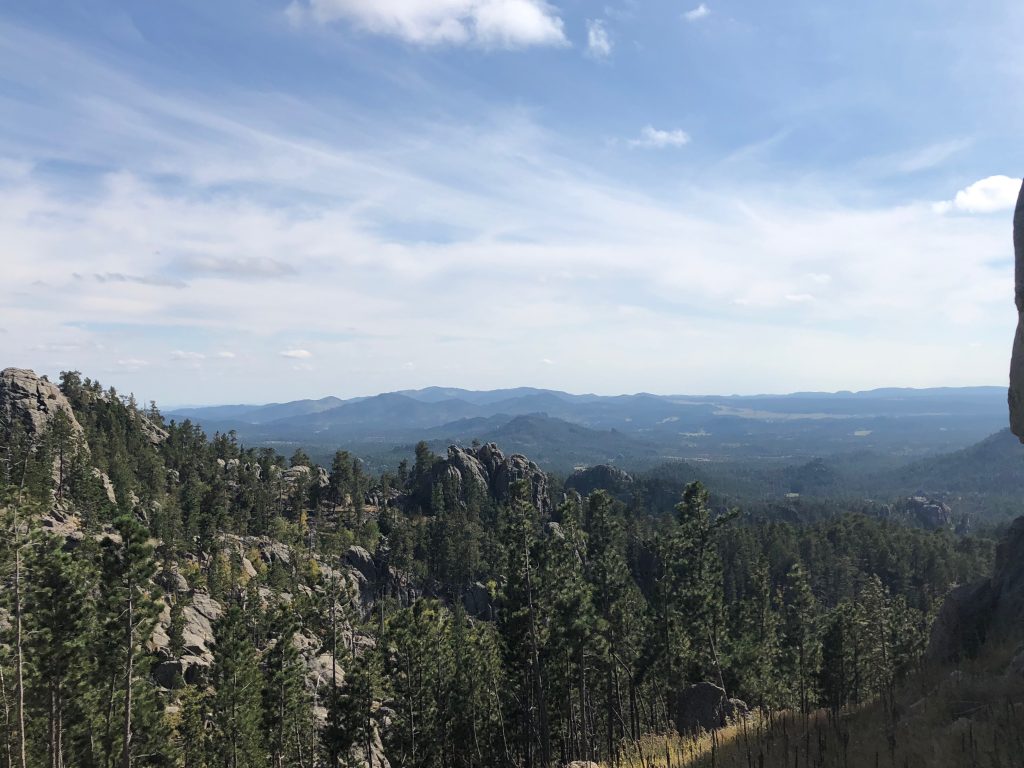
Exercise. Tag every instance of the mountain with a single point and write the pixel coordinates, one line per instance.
(257, 414)
(902, 423)
(993, 466)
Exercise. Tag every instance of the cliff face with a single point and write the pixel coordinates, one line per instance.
(991, 608)
(33, 401)
(1016, 393)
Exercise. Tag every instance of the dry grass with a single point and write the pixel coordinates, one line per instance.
(967, 717)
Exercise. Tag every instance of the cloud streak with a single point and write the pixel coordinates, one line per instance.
(654, 138)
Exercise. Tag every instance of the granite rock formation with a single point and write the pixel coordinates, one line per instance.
(33, 400)
(491, 472)
(1016, 392)
(993, 607)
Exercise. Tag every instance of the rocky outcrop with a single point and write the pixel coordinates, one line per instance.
(1016, 392)
(928, 513)
(34, 401)
(974, 613)
(477, 601)
(705, 706)
(488, 470)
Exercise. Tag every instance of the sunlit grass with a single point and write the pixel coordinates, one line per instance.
(968, 717)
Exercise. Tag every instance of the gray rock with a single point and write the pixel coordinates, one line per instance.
(1015, 395)
(362, 561)
(477, 601)
(33, 401)
(487, 469)
(108, 486)
(994, 607)
(705, 706)
(199, 619)
(172, 580)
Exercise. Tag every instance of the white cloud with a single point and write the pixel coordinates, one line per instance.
(180, 354)
(991, 194)
(653, 138)
(599, 43)
(226, 355)
(484, 23)
(698, 13)
(546, 255)
(297, 354)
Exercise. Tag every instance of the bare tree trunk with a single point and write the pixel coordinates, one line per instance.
(7, 719)
(126, 754)
(19, 670)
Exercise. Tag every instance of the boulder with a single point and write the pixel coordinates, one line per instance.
(172, 580)
(199, 619)
(191, 670)
(108, 486)
(1015, 395)
(705, 706)
(362, 561)
(360, 757)
(477, 601)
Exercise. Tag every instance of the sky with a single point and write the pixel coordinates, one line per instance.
(265, 200)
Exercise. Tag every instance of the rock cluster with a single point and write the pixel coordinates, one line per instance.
(33, 401)
(491, 472)
(929, 513)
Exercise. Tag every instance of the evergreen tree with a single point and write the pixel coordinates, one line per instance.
(58, 611)
(286, 710)
(236, 707)
(128, 613)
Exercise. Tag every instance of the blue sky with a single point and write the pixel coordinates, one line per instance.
(273, 199)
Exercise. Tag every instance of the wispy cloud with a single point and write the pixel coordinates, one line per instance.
(654, 138)
(542, 252)
(700, 12)
(599, 42)
(118, 277)
(483, 23)
(240, 266)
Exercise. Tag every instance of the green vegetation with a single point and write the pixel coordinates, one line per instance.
(355, 615)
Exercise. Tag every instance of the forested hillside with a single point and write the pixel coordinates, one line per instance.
(177, 598)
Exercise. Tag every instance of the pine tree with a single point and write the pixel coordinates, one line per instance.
(522, 627)
(285, 706)
(128, 615)
(801, 644)
(236, 707)
(58, 612)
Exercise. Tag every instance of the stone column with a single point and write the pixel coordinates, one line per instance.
(1016, 393)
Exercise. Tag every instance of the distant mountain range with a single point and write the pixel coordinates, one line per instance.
(562, 430)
